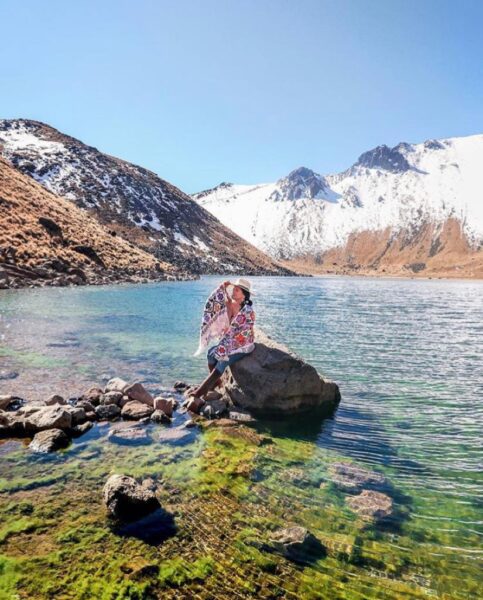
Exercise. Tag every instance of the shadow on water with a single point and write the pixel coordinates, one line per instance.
(153, 529)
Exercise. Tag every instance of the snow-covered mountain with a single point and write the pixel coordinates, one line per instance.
(391, 194)
(133, 202)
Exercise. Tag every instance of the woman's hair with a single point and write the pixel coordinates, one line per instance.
(246, 300)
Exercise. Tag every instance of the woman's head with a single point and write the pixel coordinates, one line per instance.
(241, 295)
(241, 291)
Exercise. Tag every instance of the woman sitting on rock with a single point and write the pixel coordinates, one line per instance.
(232, 319)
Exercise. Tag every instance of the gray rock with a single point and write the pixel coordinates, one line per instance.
(49, 441)
(111, 398)
(371, 505)
(274, 380)
(49, 417)
(214, 409)
(136, 410)
(86, 405)
(116, 385)
(351, 478)
(107, 411)
(126, 499)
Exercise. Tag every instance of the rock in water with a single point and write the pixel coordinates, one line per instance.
(272, 379)
(49, 440)
(136, 391)
(136, 410)
(129, 434)
(127, 499)
(297, 544)
(108, 411)
(167, 405)
(49, 417)
(116, 385)
(372, 506)
(351, 478)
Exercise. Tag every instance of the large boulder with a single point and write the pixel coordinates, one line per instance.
(273, 379)
(49, 417)
(127, 499)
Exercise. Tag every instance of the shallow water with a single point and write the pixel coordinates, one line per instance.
(408, 357)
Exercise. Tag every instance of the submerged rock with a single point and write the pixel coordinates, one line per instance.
(352, 478)
(297, 544)
(371, 505)
(272, 379)
(126, 499)
(49, 441)
(126, 433)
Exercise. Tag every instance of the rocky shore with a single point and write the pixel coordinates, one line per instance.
(59, 273)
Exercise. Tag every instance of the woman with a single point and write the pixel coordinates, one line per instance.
(232, 319)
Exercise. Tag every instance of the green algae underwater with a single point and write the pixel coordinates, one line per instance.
(226, 494)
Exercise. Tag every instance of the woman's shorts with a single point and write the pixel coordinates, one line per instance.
(220, 365)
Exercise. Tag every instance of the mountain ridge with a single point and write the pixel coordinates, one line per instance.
(134, 202)
(393, 191)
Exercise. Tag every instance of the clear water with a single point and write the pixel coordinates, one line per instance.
(407, 355)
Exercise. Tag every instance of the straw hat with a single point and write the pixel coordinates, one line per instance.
(243, 283)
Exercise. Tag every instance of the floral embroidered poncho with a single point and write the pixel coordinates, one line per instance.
(237, 336)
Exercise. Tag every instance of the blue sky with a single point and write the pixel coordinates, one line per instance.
(243, 91)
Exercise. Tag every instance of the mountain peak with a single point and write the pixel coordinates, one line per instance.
(383, 157)
(301, 183)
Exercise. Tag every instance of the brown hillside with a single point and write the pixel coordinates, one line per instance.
(46, 238)
(424, 253)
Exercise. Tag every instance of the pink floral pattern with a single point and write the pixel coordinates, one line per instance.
(237, 336)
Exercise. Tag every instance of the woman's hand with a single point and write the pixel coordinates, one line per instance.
(226, 283)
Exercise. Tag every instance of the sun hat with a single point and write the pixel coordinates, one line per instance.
(243, 283)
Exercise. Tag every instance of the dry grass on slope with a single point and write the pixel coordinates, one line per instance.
(36, 226)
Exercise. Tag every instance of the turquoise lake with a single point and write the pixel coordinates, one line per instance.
(408, 358)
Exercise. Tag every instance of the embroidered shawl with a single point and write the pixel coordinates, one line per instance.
(237, 336)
